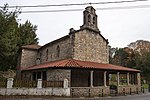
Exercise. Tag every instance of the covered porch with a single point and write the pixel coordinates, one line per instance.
(91, 79)
(96, 82)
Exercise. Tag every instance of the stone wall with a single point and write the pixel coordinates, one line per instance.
(83, 45)
(90, 46)
(58, 75)
(129, 89)
(36, 91)
(28, 58)
(100, 91)
(90, 91)
(49, 52)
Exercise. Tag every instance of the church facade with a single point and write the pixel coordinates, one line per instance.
(81, 57)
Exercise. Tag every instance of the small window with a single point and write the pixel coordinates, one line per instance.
(89, 18)
(40, 57)
(46, 54)
(58, 51)
(94, 20)
(51, 56)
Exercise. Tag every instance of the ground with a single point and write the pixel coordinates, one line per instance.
(129, 97)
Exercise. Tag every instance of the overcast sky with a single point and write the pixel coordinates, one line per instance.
(120, 27)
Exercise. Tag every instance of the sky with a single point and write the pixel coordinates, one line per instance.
(119, 26)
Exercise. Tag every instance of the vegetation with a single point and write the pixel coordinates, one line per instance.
(12, 36)
(146, 86)
(136, 55)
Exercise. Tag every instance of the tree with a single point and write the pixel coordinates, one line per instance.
(143, 64)
(124, 57)
(12, 36)
(133, 59)
(27, 32)
(120, 57)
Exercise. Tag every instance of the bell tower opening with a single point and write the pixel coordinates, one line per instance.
(90, 19)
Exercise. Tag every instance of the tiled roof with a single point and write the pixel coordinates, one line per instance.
(71, 63)
(33, 46)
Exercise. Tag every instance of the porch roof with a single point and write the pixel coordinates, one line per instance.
(72, 63)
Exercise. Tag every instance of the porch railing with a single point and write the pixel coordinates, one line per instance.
(52, 84)
(24, 83)
(10, 83)
(3, 83)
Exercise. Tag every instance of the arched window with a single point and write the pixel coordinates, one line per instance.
(46, 54)
(89, 18)
(40, 57)
(94, 20)
(58, 51)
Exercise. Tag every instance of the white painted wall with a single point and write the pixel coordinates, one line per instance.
(36, 91)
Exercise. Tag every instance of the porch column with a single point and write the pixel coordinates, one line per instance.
(91, 77)
(138, 79)
(105, 72)
(118, 80)
(128, 79)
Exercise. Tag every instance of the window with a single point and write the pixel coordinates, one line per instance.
(89, 18)
(58, 51)
(40, 57)
(46, 54)
(94, 20)
(39, 75)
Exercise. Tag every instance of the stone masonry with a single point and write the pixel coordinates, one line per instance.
(49, 52)
(90, 46)
(28, 58)
(59, 75)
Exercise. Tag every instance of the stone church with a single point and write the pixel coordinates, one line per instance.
(81, 57)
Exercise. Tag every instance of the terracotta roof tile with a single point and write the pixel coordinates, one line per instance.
(33, 46)
(71, 63)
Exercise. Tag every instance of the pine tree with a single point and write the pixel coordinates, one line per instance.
(12, 36)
